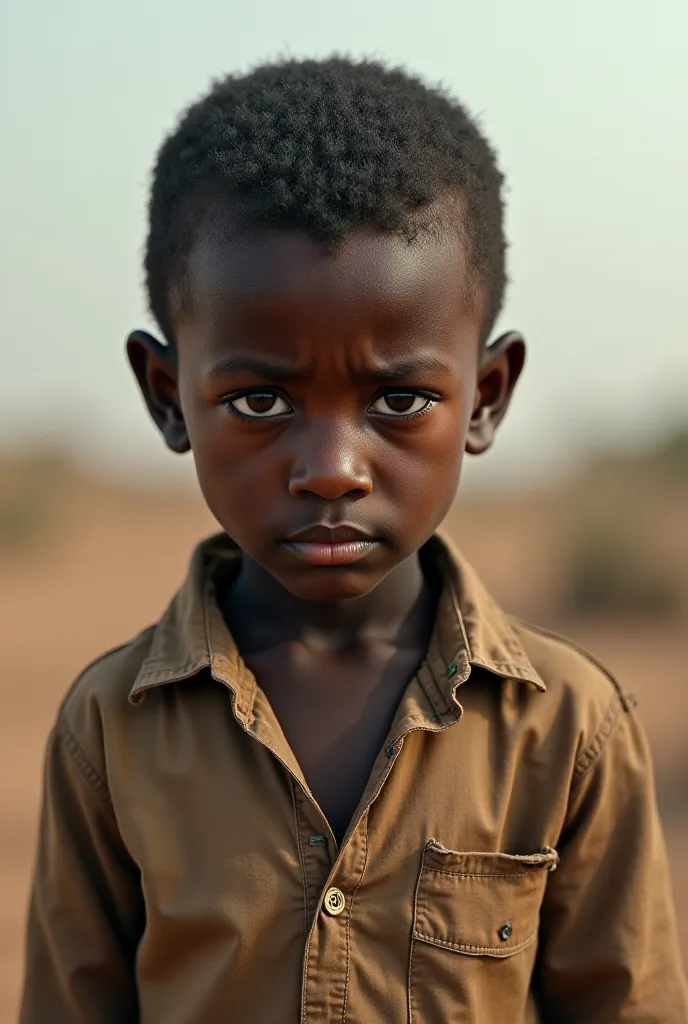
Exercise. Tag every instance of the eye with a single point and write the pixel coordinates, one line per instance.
(259, 405)
(403, 404)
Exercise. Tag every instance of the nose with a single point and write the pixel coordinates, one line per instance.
(330, 463)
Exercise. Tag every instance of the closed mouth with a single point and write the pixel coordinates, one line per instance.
(330, 535)
(331, 545)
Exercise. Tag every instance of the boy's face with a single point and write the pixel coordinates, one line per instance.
(320, 392)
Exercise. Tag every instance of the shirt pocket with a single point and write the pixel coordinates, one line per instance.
(485, 907)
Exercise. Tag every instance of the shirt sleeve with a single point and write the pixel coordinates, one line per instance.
(86, 911)
(609, 948)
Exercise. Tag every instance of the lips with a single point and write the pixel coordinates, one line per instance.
(331, 545)
(330, 535)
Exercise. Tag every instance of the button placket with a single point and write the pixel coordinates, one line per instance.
(326, 965)
(314, 853)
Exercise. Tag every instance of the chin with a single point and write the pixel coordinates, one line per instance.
(330, 585)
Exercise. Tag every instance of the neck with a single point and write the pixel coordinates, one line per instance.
(261, 613)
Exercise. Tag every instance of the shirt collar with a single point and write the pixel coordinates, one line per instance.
(470, 630)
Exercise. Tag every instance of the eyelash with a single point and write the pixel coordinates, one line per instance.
(228, 401)
(432, 402)
(432, 399)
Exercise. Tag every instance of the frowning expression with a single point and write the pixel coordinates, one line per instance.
(325, 392)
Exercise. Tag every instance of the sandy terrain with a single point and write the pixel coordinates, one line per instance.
(109, 563)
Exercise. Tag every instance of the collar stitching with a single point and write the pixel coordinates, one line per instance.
(520, 664)
(241, 706)
(440, 707)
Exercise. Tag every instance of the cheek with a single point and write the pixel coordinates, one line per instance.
(235, 469)
(420, 470)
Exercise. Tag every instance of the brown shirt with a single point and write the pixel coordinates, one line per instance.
(185, 874)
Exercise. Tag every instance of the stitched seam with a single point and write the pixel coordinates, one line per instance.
(81, 761)
(500, 664)
(594, 749)
(350, 915)
(517, 665)
(487, 874)
(299, 833)
(459, 615)
(476, 949)
(520, 664)
(239, 707)
(304, 982)
(439, 714)
(155, 672)
(304, 979)
(445, 705)
(419, 719)
(139, 692)
(413, 932)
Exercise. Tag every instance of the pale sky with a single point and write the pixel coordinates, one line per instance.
(585, 102)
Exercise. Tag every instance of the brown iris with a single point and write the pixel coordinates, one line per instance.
(401, 402)
(260, 403)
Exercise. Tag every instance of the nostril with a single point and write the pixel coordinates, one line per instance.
(330, 484)
(329, 488)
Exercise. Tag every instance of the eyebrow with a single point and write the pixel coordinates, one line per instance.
(417, 366)
(257, 367)
(421, 364)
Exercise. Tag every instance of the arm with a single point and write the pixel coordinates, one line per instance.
(86, 912)
(609, 947)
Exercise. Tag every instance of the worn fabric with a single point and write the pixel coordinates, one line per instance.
(505, 864)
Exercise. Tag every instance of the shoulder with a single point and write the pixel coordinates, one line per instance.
(99, 698)
(108, 679)
(563, 664)
(580, 690)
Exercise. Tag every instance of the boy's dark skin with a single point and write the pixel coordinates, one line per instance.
(332, 646)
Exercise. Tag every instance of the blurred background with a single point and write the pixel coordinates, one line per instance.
(578, 519)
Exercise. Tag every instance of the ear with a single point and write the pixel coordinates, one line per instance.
(155, 368)
(499, 370)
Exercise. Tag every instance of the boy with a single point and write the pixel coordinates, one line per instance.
(334, 782)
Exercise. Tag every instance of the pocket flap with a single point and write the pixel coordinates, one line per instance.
(480, 904)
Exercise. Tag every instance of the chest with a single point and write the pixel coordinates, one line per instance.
(335, 713)
(233, 882)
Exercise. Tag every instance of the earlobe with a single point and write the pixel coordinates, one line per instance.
(481, 432)
(155, 369)
(498, 373)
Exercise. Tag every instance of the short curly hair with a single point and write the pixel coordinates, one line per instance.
(324, 146)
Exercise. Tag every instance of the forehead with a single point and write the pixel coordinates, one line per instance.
(283, 287)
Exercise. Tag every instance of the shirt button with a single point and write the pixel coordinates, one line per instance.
(334, 901)
(505, 932)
